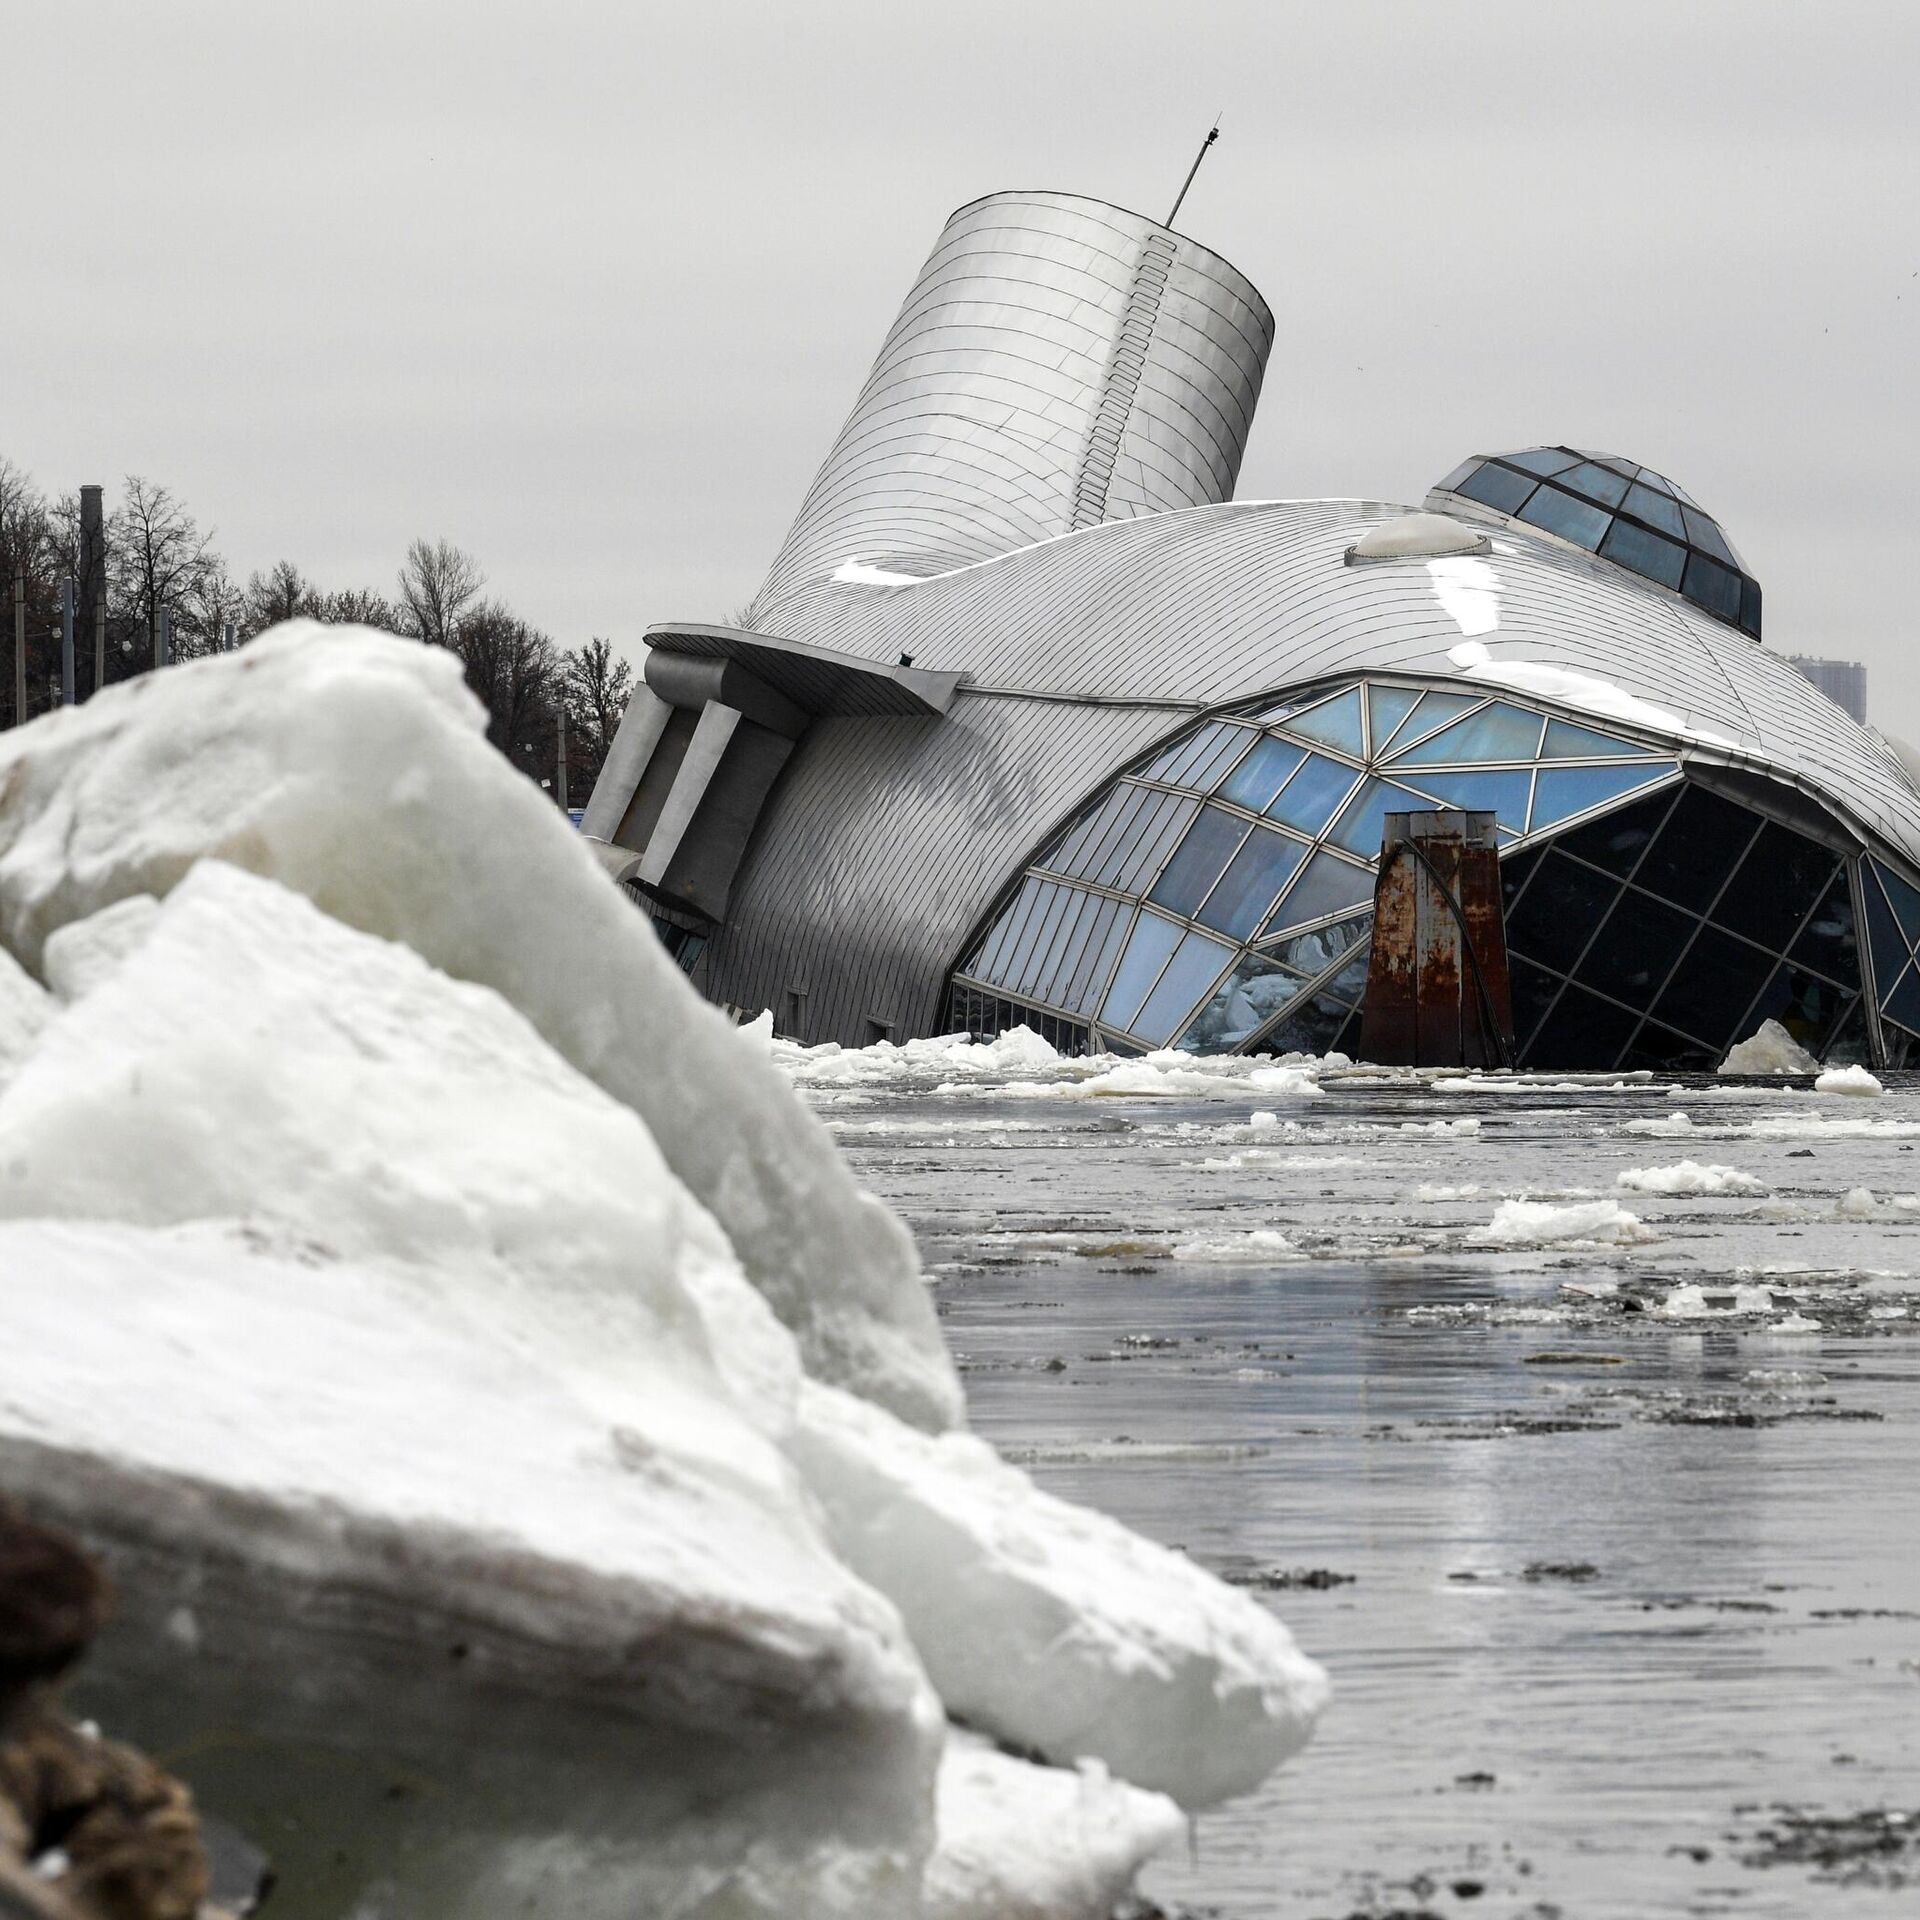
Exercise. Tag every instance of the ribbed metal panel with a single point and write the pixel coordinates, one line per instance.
(1058, 362)
(886, 841)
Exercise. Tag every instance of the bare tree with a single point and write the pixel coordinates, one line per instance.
(358, 607)
(28, 544)
(512, 667)
(283, 592)
(156, 552)
(437, 584)
(597, 685)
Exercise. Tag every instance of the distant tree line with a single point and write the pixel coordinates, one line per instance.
(158, 558)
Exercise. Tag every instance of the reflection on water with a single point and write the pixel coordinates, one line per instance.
(1578, 1738)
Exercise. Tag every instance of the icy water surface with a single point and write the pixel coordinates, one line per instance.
(1612, 1546)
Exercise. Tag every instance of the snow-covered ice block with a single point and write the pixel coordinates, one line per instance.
(1769, 1049)
(1688, 1177)
(1854, 1080)
(1020, 1842)
(353, 767)
(1526, 1223)
(25, 1008)
(1053, 1627)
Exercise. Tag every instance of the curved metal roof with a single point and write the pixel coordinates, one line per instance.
(1083, 650)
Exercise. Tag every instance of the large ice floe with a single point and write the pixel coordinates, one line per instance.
(441, 1319)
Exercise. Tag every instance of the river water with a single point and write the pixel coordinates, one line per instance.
(1623, 1534)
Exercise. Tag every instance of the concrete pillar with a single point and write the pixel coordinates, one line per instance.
(66, 642)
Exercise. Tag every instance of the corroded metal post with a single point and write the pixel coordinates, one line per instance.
(1437, 985)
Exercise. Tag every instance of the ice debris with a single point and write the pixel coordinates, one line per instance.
(1540, 1223)
(1769, 1049)
(317, 1116)
(354, 768)
(1855, 1080)
(1053, 1626)
(1688, 1177)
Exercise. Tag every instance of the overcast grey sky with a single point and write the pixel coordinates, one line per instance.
(588, 287)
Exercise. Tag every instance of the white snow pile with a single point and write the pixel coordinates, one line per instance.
(383, 1220)
(1537, 1223)
(1688, 1177)
(1770, 1049)
(1855, 1080)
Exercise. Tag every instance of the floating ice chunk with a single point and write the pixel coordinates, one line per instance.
(1857, 1203)
(1020, 1842)
(1695, 1301)
(81, 954)
(1687, 1177)
(1540, 1223)
(1052, 1627)
(1667, 1126)
(1770, 1049)
(1795, 1322)
(1237, 1249)
(353, 767)
(1429, 1195)
(1287, 1082)
(758, 1031)
(25, 1009)
(1852, 1080)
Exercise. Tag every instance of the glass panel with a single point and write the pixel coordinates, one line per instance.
(1543, 459)
(1648, 478)
(1084, 845)
(1644, 553)
(999, 943)
(1711, 587)
(1597, 483)
(1195, 965)
(1455, 477)
(1712, 988)
(1193, 762)
(1703, 533)
(1558, 911)
(1883, 933)
(1495, 487)
(1533, 992)
(1700, 845)
(1262, 774)
(1359, 827)
(1776, 887)
(1047, 901)
(1582, 1034)
(1241, 1005)
(1326, 884)
(1660, 508)
(1061, 945)
(1252, 883)
(1335, 723)
(1153, 939)
(1750, 605)
(1564, 791)
(1565, 741)
(1829, 944)
(1614, 464)
(1906, 901)
(1668, 1052)
(1500, 792)
(1081, 990)
(1903, 1003)
(1635, 949)
(1227, 746)
(1313, 1028)
(1313, 953)
(1202, 858)
(1571, 519)
(1434, 710)
(1807, 1006)
(1515, 872)
(1136, 857)
(1616, 841)
(1498, 732)
(1386, 708)
(1307, 800)
(1849, 1045)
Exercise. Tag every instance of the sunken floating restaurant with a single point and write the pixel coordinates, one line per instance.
(1032, 722)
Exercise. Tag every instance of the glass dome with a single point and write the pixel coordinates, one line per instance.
(1630, 515)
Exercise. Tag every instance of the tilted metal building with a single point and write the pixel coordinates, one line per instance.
(1032, 722)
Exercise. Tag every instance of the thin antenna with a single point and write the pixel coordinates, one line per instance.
(1213, 134)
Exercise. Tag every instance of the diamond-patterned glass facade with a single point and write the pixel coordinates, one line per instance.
(1217, 896)
(1625, 513)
